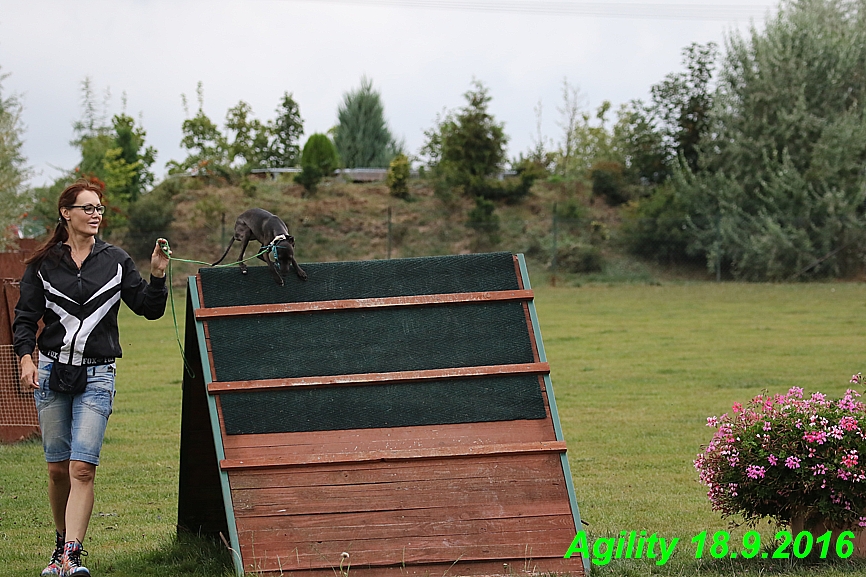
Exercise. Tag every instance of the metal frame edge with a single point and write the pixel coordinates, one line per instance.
(551, 398)
(217, 436)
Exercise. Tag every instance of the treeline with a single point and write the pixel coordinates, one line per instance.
(769, 177)
(750, 159)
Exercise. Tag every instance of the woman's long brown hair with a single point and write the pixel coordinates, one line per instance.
(61, 231)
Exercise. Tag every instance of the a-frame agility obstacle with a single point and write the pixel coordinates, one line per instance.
(398, 411)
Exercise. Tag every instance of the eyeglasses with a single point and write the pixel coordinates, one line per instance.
(89, 208)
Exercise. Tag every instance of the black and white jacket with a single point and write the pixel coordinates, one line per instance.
(79, 307)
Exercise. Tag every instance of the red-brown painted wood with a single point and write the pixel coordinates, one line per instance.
(499, 568)
(538, 546)
(388, 438)
(306, 307)
(540, 496)
(395, 454)
(518, 467)
(378, 378)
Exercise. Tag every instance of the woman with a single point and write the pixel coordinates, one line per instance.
(74, 283)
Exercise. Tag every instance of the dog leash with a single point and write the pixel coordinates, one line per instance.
(166, 249)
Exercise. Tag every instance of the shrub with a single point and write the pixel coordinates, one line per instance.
(398, 177)
(579, 258)
(657, 226)
(608, 182)
(784, 456)
(318, 159)
(148, 219)
(483, 217)
(510, 191)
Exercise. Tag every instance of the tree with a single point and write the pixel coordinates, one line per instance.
(250, 147)
(248, 143)
(13, 165)
(683, 100)
(112, 153)
(132, 155)
(571, 113)
(641, 145)
(779, 190)
(208, 148)
(286, 131)
(467, 147)
(362, 137)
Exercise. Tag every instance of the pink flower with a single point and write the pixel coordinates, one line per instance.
(815, 437)
(737, 407)
(773, 460)
(857, 379)
(755, 472)
(767, 426)
(850, 459)
(712, 422)
(796, 392)
(848, 423)
(819, 469)
(792, 462)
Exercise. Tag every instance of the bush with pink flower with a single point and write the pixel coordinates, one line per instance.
(785, 455)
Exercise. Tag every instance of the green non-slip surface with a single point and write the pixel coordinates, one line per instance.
(332, 408)
(369, 341)
(363, 279)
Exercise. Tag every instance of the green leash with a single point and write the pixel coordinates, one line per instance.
(166, 249)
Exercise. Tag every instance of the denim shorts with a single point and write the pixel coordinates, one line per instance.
(73, 425)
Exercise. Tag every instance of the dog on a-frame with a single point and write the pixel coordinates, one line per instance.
(269, 229)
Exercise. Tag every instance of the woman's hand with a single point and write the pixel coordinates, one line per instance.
(159, 260)
(29, 372)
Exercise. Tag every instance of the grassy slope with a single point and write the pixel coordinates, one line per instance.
(346, 221)
(636, 368)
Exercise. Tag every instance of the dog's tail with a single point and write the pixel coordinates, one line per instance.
(231, 242)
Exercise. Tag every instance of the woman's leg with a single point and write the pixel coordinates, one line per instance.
(58, 493)
(90, 412)
(55, 423)
(80, 503)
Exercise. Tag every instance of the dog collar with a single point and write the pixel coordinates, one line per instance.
(278, 238)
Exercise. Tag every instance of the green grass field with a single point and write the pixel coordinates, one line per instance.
(636, 370)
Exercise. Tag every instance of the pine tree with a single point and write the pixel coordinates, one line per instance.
(362, 137)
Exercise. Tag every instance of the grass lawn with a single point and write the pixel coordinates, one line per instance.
(636, 370)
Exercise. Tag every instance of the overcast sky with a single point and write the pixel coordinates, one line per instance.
(421, 55)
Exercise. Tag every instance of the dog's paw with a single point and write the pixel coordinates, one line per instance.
(302, 275)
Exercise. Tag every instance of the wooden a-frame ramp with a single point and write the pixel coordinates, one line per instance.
(398, 411)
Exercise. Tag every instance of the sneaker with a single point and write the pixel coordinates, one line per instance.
(53, 569)
(71, 566)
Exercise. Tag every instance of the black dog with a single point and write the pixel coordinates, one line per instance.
(260, 225)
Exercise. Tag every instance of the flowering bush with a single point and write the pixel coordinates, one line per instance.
(784, 455)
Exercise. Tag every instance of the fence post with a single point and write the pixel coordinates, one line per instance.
(719, 247)
(389, 233)
(553, 257)
(223, 230)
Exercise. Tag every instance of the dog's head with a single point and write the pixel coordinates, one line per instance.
(285, 252)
